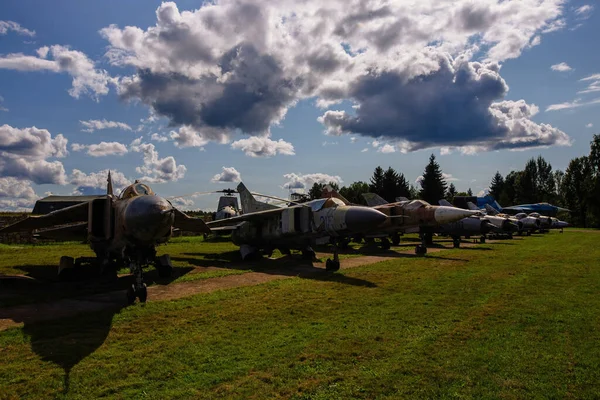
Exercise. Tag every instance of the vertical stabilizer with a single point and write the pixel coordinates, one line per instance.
(374, 199)
(491, 210)
(472, 206)
(444, 202)
(249, 203)
(109, 186)
(329, 192)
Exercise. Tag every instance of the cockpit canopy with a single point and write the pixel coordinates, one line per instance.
(317, 205)
(414, 204)
(137, 189)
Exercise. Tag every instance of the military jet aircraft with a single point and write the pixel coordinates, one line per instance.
(121, 230)
(504, 225)
(228, 205)
(265, 227)
(471, 226)
(558, 224)
(540, 208)
(416, 216)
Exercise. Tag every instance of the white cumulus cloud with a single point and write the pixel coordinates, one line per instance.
(6, 26)
(262, 146)
(156, 169)
(101, 149)
(229, 174)
(96, 125)
(561, 67)
(306, 181)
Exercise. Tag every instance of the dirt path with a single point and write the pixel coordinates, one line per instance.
(31, 313)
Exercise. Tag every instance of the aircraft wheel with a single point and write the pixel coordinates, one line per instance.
(510, 235)
(369, 240)
(456, 243)
(528, 233)
(396, 239)
(142, 293)
(130, 295)
(420, 250)
(332, 265)
(385, 245)
(482, 239)
(309, 254)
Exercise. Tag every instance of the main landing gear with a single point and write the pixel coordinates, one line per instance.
(421, 249)
(138, 257)
(385, 244)
(396, 239)
(333, 264)
(456, 242)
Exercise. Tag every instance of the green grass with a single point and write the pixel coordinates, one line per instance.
(517, 319)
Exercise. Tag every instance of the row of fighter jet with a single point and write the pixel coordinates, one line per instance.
(125, 229)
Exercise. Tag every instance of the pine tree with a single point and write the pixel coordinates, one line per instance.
(376, 185)
(451, 193)
(497, 186)
(353, 193)
(433, 185)
(390, 185)
(469, 192)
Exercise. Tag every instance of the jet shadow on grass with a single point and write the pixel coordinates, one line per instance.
(42, 284)
(67, 341)
(283, 266)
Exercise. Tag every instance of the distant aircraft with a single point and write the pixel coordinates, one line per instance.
(469, 226)
(416, 216)
(265, 227)
(541, 208)
(504, 225)
(228, 205)
(121, 230)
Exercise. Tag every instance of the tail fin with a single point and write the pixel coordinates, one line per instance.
(472, 206)
(491, 210)
(444, 202)
(329, 192)
(374, 199)
(109, 186)
(402, 198)
(249, 203)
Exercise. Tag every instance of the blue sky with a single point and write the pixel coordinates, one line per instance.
(242, 84)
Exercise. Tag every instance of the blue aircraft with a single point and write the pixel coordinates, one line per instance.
(541, 208)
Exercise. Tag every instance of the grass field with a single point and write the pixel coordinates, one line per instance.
(514, 319)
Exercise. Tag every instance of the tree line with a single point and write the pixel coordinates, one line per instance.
(577, 188)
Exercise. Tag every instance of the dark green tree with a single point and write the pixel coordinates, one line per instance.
(353, 193)
(469, 192)
(390, 185)
(545, 187)
(451, 192)
(576, 186)
(433, 185)
(497, 186)
(526, 184)
(509, 194)
(376, 185)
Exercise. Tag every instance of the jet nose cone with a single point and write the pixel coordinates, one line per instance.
(446, 215)
(148, 218)
(360, 219)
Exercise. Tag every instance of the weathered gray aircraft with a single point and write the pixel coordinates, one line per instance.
(502, 225)
(228, 205)
(121, 230)
(471, 226)
(405, 216)
(530, 224)
(265, 227)
(558, 224)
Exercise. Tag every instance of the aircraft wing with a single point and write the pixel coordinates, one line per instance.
(69, 232)
(189, 224)
(68, 215)
(235, 221)
(518, 209)
(373, 199)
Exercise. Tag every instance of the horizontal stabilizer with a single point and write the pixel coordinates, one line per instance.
(189, 224)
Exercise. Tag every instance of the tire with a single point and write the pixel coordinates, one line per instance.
(130, 295)
(142, 293)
